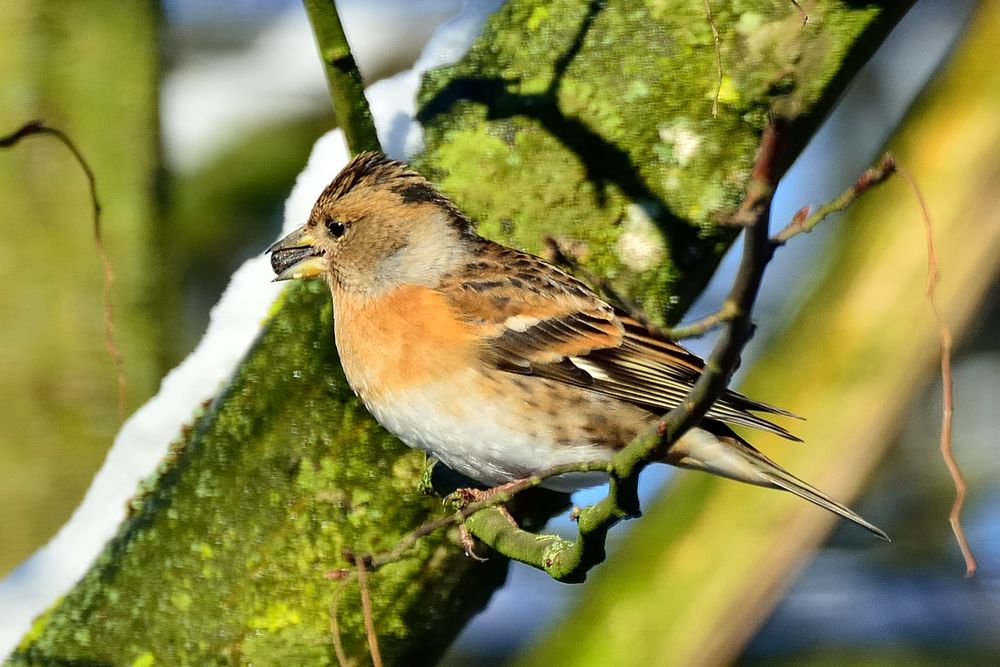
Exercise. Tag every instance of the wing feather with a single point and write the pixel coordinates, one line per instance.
(538, 320)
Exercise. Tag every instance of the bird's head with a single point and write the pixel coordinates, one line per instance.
(376, 226)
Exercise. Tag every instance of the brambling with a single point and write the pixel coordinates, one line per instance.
(495, 362)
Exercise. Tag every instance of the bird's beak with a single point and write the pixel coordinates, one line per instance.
(296, 256)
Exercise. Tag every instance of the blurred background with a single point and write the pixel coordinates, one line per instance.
(197, 137)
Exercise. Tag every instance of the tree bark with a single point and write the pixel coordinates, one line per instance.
(589, 123)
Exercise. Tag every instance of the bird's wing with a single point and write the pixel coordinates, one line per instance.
(537, 320)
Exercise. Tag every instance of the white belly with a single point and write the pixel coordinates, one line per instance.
(487, 441)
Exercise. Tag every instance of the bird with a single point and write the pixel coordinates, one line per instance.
(493, 361)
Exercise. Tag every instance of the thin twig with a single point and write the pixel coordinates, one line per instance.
(718, 58)
(366, 610)
(948, 400)
(803, 222)
(753, 214)
(38, 128)
(704, 325)
(410, 540)
(802, 12)
(338, 644)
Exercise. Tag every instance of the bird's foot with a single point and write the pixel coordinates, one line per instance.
(469, 543)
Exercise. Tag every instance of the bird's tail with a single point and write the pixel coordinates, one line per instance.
(732, 457)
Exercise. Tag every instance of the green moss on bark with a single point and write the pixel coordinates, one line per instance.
(225, 558)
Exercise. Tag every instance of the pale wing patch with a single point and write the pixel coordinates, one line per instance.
(520, 323)
(593, 370)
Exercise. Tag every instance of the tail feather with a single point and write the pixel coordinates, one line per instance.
(783, 479)
(730, 456)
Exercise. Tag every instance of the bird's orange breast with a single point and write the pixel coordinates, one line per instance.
(406, 338)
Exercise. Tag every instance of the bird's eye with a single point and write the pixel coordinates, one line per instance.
(336, 228)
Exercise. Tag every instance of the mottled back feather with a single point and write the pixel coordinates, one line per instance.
(538, 320)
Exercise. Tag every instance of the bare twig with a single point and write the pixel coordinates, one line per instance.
(948, 400)
(753, 214)
(718, 58)
(366, 610)
(338, 644)
(704, 325)
(38, 128)
(802, 12)
(803, 222)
